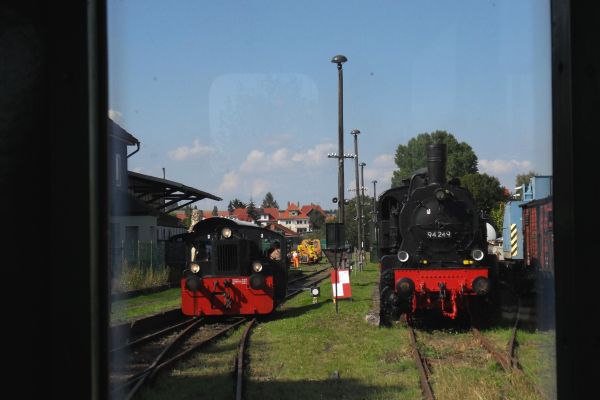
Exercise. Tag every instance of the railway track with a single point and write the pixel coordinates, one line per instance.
(506, 357)
(145, 364)
(160, 330)
(151, 353)
(422, 367)
(312, 279)
(239, 384)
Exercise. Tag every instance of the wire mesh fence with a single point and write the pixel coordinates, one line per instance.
(143, 254)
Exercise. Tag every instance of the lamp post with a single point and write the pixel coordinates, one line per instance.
(374, 240)
(374, 196)
(362, 199)
(339, 60)
(355, 133)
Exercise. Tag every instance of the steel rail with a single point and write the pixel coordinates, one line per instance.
(142, 376)
(424, 372)
(307, 276)
(240, 361)
(296, 291)
(502, 359)
(151, 336)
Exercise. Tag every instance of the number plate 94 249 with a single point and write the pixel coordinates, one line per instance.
(439, 234)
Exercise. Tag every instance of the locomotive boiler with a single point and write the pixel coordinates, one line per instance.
(432, 244)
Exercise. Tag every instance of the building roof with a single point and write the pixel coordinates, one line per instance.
(287, 215)
(271, 211)
(208, 214)
(313, 207)
(282, 229)
(169, 220)
(241, 214)
(163, 194)
(292, 207)
(115, 130)
(125, 203)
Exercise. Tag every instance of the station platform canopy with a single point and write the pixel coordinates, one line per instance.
(164, 195)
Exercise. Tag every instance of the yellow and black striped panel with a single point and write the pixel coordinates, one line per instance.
(514, 237)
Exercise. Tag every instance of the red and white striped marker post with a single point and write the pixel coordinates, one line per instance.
(340, 284)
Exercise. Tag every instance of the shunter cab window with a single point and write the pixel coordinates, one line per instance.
(201, 251)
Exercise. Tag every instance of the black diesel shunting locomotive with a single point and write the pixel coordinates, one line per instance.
(432, 243)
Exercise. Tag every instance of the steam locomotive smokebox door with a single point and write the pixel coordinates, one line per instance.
(336, 251)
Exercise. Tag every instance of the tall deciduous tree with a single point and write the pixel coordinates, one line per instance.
(317, 220)
(412, 156)
(269, 201)
(486, 190)
(523, 179)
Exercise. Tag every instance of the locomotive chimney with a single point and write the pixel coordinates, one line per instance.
(436, 163)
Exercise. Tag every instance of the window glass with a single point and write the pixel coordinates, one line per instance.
(240, 101)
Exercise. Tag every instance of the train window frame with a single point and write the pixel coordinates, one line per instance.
(78, 32)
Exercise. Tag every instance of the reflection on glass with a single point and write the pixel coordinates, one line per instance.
(230, 109)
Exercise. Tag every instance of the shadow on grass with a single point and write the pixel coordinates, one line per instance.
(293, 312)
(222, 386)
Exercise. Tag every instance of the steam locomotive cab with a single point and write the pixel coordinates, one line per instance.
(432, 243)
(232, 268)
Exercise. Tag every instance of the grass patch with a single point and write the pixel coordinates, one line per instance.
(134, 277)
(144, 305)
(298, 352)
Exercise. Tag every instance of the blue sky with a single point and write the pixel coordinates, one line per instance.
(239, 98)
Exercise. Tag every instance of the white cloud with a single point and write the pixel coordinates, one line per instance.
(231, 180)
(115, 115)
(184, 152)
(495, 167)
(268, 163)
(384, 160)
(281, 157)
(259, 187)
(315, 155)
(254, 161)
(381, 170)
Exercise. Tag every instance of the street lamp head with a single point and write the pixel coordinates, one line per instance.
(339, 59)
(355, 132)
(374, 181)
(362, 164)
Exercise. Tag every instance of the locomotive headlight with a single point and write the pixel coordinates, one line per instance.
(440, 194)
(226, 232)
(477, 255)
(256, 266)
(195, 268)
(403, 256)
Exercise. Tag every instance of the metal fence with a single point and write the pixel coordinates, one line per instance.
(143, 254)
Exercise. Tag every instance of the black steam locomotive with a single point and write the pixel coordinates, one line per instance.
(432, 244)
